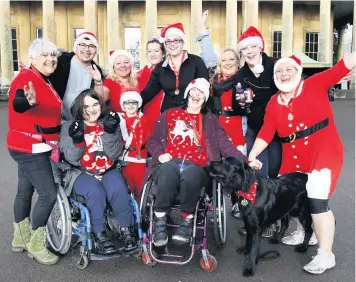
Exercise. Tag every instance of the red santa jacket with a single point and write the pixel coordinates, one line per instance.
(135, 132)
(43, 119)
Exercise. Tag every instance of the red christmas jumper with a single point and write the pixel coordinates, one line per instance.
(321, 154)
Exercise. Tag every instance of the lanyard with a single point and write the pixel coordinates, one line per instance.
(199, 134)
(176, 72)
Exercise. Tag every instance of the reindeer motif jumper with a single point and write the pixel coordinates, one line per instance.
(185, 137)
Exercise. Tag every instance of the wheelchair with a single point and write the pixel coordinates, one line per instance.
(70, 216)
(214, 203)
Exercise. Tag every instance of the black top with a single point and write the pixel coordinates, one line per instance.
(59, 78)
(163, 78)
(263, 88)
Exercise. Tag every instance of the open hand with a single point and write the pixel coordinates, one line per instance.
(94, 72)
(30, 93)
(203, 21)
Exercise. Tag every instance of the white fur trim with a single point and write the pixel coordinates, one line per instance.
(133, 160)
(130, 95)
(202, 84)
(117, 53)
(319, 183)
(124, 132)
(174, 31)
(92, 38)
(40, 148)
(287, 60)
(300, 89)
(248, 41)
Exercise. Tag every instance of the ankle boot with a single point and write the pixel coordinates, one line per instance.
(184, 231)
(129, 239)
(103, 245)
(37, 248)
(160, 237)
(22, 236)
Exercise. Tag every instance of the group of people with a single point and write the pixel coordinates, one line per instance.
(195, 110)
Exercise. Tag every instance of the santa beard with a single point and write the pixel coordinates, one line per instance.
(290, 86)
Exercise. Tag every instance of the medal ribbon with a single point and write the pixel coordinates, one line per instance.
(176, 72)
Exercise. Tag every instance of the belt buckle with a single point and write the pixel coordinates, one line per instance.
(292, 137)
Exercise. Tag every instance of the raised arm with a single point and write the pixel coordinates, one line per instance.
(152, 87)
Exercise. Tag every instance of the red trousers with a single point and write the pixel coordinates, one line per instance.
(134, 174)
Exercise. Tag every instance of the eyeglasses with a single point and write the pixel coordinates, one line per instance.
(175, 41)
(90, 46)
(133, 103)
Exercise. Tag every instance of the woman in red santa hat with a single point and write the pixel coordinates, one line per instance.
(302, 115)
(175, 73)
(135, 132)
(122, 77)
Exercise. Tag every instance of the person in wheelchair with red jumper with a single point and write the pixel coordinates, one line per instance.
(184, 140)
(92, 143)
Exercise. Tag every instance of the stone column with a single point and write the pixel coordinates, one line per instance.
(244, 15)
(252, 13)
(341, 43)
(324, 32)
(112, 15)
(91, 16)
(49, 24)
(196, 12)
(231, 24)
(353, 81)
(7, 67)
(151, 20)
(287, 28)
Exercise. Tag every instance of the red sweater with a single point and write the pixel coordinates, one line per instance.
(46, 114)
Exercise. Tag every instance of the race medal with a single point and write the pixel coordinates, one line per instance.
(176, 91)
(290, 116)
(86, 157)
(139, 157)
(244, 202)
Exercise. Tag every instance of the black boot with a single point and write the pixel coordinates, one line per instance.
(184, 231)
(160, 237)
(129, 238)
(103, 245)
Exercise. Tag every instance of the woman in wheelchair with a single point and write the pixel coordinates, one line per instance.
(183, 142)
(92, 143)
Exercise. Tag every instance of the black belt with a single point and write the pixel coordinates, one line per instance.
(228, 113)
(134, 148)
(47, 130)
(306, 132)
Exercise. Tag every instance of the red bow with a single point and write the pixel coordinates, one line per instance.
(251, 196)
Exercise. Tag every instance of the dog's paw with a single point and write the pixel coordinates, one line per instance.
(248, 272)
(242, 251)
(301, 248)
(273, 241)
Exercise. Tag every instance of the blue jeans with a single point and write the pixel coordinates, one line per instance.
(271, 157)
(112, 189)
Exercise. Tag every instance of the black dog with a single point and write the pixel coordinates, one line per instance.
(274, 199)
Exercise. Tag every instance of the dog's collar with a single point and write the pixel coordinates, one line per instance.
(251, 196)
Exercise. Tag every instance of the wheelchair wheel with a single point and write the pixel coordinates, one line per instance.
(59, 225)
(144, 204)
(82, 262)
(219, 214)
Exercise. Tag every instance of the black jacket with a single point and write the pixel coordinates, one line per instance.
(263, 87)
(59, 78)
(163, 78)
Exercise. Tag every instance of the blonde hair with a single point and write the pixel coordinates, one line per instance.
(133, 82)
(218, 67)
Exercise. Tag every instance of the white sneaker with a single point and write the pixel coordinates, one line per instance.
(235, 211)
(321, 262)
(297, 237)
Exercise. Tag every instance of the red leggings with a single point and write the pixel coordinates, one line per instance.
(134, 174)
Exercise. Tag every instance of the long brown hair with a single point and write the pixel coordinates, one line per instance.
(77, 107)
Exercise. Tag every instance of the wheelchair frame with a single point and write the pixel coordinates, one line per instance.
(216, 204)
(68, 209)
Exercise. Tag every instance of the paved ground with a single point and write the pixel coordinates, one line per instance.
(17, 267)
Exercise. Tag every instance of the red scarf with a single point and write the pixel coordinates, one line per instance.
(251, 196)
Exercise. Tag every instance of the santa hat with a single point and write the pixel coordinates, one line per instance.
(251, 36)
(130, 96)
(86, 34)
(113, 54)
(293, 60)
(200, 83)
(173, 29)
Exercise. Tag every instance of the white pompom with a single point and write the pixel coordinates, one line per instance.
(257, 69)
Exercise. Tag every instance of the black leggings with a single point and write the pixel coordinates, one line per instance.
(34, 172)
(170, 183)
